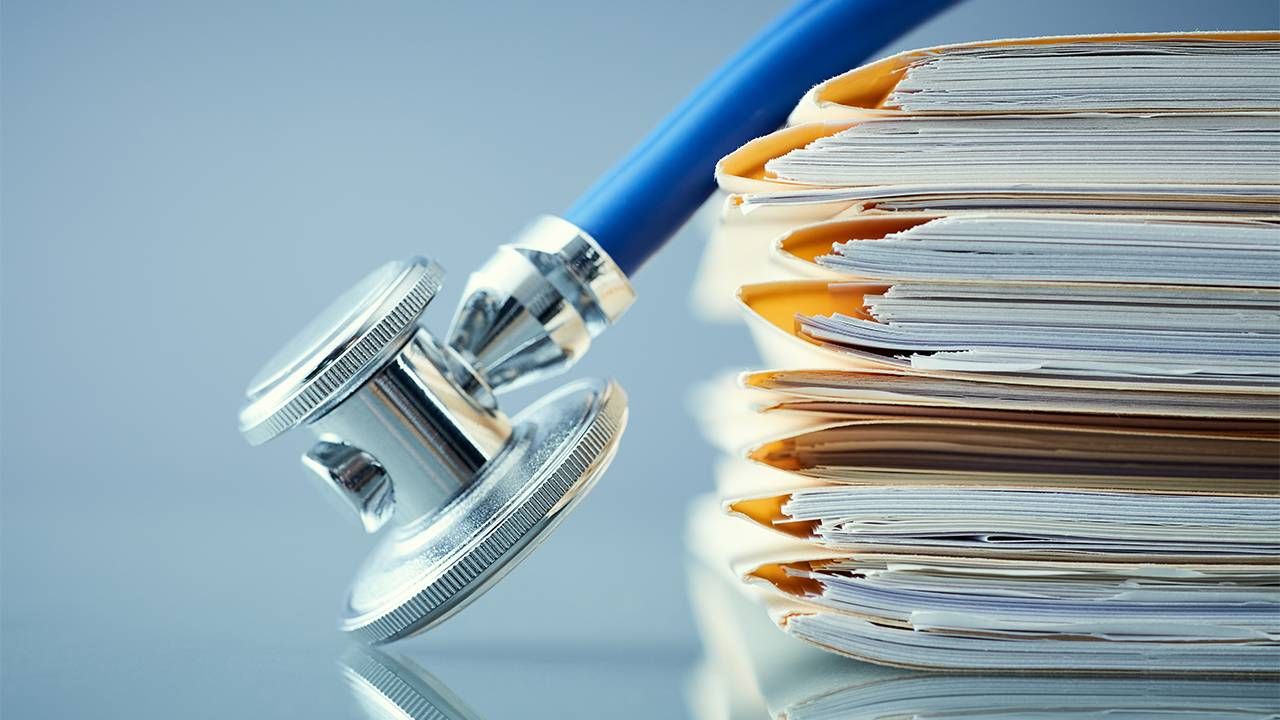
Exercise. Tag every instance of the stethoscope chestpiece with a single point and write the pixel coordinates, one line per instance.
(409, 432)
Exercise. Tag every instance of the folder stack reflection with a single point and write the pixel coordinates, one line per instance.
(1019, 308)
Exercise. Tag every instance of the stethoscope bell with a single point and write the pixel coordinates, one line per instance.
(410, 435)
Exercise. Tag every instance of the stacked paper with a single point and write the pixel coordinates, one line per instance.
(1093, 75)
(751, 671)
(1153, 148)
(1031, 420)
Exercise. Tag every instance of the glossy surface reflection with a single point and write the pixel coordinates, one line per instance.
(385, 687)
(749, 670)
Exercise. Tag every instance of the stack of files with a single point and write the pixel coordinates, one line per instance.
(749, 671)
(1064, 295)
(908, 555)
(1033, 439)
(1176, 123)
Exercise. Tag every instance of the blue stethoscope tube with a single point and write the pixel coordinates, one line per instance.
(638, 205)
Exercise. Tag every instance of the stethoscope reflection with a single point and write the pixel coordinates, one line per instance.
(387, 687)
(752, 671)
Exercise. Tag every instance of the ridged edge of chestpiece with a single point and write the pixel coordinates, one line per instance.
(335, 377)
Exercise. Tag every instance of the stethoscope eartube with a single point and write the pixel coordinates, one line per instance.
(409, 432)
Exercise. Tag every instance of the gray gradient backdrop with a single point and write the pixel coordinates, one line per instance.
(183, 183)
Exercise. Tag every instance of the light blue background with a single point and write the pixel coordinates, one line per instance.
(184, 183)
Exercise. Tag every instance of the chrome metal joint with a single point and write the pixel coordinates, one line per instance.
(430, 437)
(360, 482)
(531, 311)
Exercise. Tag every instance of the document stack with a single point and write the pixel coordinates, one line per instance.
(1018, 304)
(750, 671)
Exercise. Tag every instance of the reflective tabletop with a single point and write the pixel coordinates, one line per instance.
(184, 183)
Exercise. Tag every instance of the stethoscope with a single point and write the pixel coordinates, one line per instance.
(409, 430)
